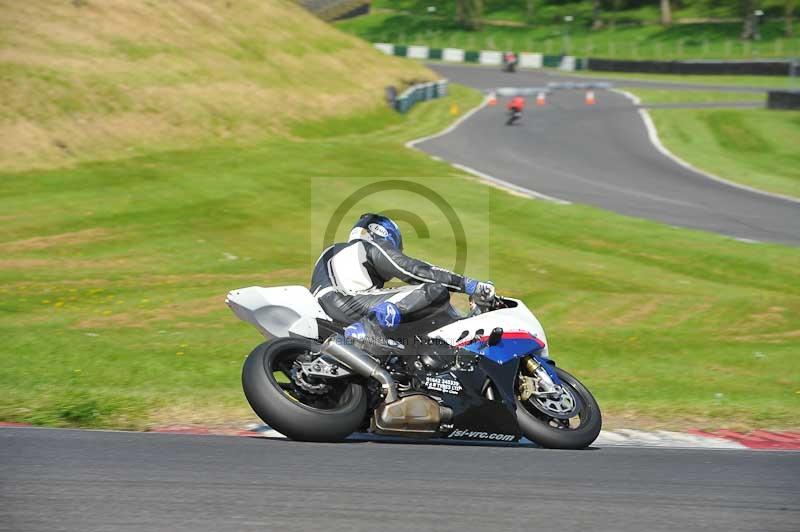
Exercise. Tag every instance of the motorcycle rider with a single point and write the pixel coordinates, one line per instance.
(348, 281)
(517, 104)
(510, 61)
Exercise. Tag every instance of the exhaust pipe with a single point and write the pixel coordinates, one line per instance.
(358, 361)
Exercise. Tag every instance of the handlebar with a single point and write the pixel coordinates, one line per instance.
(497, 303)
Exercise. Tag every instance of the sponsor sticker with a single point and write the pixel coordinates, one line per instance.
(440, 384)
(379, 230)
(478, 435)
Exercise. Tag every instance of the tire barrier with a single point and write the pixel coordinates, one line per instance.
(481, 57)
(416, 93)
(751, 68)
(330, 10)
(786, 100)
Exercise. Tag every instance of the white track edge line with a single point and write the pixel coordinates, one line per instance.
(412, 143)
(652, 134)
(490, 179)
(509, 187)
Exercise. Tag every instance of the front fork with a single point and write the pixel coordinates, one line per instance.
(542, 374)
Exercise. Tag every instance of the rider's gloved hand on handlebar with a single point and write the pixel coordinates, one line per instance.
(482, 292)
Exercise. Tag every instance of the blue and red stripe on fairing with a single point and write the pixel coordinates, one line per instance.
(513, 344)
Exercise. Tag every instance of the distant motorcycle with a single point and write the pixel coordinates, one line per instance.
(486, 376)
(510, 61)
(513, 116)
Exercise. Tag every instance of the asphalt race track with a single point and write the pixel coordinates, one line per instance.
(53, 479)
(601, 155)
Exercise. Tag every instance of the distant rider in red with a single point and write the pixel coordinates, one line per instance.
(517, 103)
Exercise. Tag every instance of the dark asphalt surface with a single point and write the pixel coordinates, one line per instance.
(600, 155)
(103, 481)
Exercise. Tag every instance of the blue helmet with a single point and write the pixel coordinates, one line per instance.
(377, 228)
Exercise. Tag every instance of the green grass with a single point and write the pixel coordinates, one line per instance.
(113, 277)
(755, 147)
(552, 36)
(695, 96)
(548, 11)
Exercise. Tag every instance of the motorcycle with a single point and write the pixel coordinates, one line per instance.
(484, 376)
(510, 61)
(513, 116)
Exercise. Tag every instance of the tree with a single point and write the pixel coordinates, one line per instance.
(530, 10)
(597, 21)
(666, 13)
(788, 11)
(469, 13)
(749, 15)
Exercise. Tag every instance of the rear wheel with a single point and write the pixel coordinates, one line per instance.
(296, 406)
(568, 419)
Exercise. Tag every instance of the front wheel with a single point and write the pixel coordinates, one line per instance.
(300, 407)
(570, 421)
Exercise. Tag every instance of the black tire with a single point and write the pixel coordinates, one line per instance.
(539, 431)
(289, 416)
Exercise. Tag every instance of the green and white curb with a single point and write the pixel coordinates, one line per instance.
(527, 60)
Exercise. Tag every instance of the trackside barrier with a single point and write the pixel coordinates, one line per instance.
(455, 55)
(483, 57)
(420, 93)
(417, 52)
(570, 63)
(507, 92)
(490, 57)
(384, 47)
(579, 85)
(755, 68)
(527, 60)
(551, 61)
(783, 100)
(567, 63)
(541, 92)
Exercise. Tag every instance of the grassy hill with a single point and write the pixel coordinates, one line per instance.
(86, 79)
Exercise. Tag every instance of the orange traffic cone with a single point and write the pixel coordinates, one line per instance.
(540, 99)
(590, 98)
(492, 99)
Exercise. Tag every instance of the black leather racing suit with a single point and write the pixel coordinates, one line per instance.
(348, 281)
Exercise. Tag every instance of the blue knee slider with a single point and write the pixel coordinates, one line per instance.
(387, 315)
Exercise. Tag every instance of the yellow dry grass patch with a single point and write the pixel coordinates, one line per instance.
(230, 417)
(145, 317)
(88, 79)
(64, 264)
(59, 240)
(619, 310)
